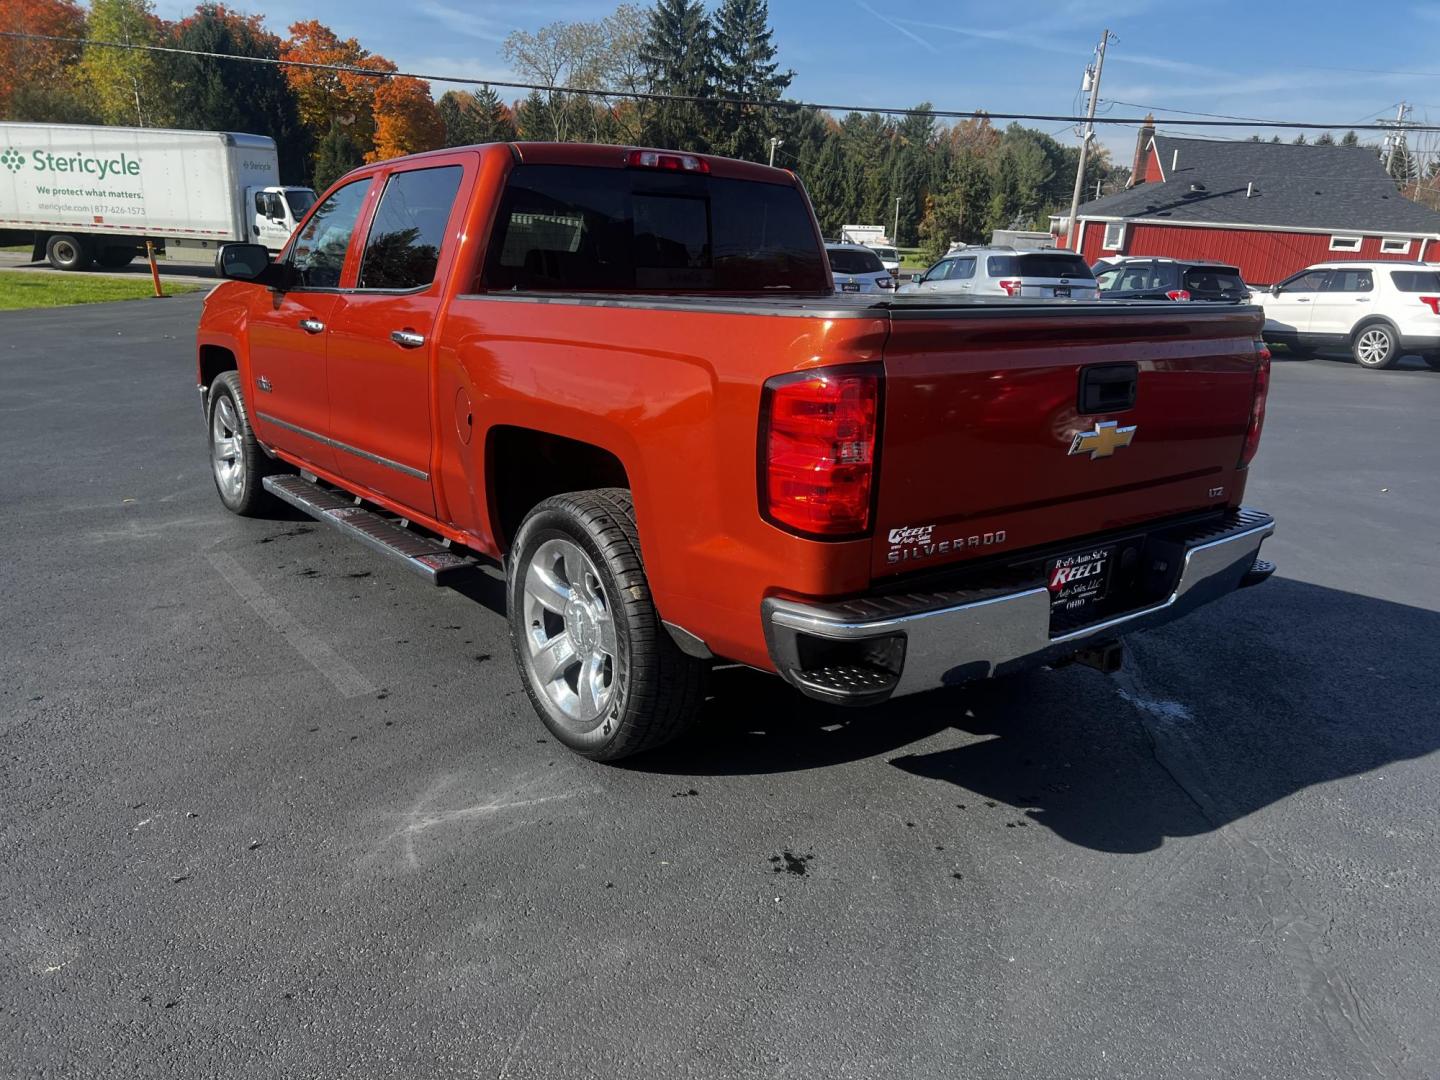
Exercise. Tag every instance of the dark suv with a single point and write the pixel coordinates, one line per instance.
(1144, 277)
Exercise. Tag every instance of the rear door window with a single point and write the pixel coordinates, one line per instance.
(964, 268)
(570, 228)
(408, 230)
(1350, 281)
(318, 254)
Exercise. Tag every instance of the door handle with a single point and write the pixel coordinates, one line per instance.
(312, 326)
(407, 339)
(1302, 300)
(1362, 299)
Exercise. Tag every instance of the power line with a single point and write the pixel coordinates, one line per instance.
(644, 95)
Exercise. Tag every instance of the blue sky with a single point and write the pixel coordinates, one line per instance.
(1329, 60)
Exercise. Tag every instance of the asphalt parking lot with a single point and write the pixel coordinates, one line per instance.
(275, 808)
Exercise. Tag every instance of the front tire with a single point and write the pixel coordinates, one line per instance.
(237, 462)
(598, 666)
(66, 252)
(1375, 346)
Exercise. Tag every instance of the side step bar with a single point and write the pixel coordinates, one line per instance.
(429, 558)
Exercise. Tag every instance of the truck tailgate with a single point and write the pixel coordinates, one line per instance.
(983, 406)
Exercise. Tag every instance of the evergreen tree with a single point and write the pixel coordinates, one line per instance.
(746, 68)
(476, 117)
(336, 155)
(224, 96)
(532, 118)
(677, 54)
(1325, 139)
(1350, 139)
(1299, 139)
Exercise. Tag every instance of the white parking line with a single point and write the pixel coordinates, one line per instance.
(342, 674)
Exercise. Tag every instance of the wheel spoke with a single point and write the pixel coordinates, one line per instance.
(606, 628)
(553, 658)
(574, 569)
(226, 412)
(591, 690)
(542, 586)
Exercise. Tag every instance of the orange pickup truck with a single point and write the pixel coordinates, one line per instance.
(626, 375)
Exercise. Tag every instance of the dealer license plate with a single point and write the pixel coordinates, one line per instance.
(1079, 579)
(850, 286)
(1062, 290)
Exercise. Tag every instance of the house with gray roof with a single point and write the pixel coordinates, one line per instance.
(1268, 208)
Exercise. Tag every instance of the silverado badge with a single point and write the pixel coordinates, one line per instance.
(1102, 440)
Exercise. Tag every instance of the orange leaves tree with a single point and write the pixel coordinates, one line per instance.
(406, 119)
(334, 99)
(32, 73)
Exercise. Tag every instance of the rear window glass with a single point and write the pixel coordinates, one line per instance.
(571, 228)
(850, 261)
(1426, 281)
(1043, 264)
(1224, 280)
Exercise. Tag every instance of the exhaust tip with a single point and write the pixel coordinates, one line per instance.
(1107, 656)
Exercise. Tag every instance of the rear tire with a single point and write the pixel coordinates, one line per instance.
(1375, 346)
(66, 252)
(599, 668)
(237, 462)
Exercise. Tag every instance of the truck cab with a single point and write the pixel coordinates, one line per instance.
(274, 213)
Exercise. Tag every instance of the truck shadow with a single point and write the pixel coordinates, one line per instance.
(1261, 695)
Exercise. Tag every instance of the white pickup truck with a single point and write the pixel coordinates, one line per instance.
(82, 195)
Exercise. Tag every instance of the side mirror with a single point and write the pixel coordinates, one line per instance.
(251, 262)
(1275, 290)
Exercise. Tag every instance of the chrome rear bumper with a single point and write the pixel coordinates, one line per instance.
(917, 642)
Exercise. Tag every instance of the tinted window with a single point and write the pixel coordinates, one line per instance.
(299, 201)
(1215, 281)
(963, 268)
(853, 261)
(1309, 281)
(940, 271)
(1046, 264)
(318, 254)
(1350, 281)
(409, 227)
(564, 227)
(1426, 281)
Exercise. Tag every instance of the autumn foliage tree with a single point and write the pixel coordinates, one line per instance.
(327, 98)
(406, 119)
(33, 73)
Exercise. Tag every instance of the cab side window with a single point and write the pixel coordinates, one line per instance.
(318, 254)
(1309, 281)
(962, 269)
(940, 271)
(403, 248)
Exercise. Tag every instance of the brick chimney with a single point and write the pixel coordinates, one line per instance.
(1142, 141)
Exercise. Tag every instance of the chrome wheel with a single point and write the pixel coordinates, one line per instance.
(1373, 346)
(227, 454)
(66, 251)
(571, 654)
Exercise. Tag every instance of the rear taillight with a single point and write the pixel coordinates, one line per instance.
(1432, 302)
(884, 282)
(817, 441)
(1011, 286)
(1178, 294)
(1257, 403)
(657, 159)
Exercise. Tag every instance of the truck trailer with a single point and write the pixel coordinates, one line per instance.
(81, 195)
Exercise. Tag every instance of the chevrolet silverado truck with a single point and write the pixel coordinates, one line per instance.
(626, 375)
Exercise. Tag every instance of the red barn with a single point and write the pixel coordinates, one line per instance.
(1269, 208)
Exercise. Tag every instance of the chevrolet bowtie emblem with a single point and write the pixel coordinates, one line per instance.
(1102, 440)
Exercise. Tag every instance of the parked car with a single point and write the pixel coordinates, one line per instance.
(1378, 310)
(857, 269)
(1146, 277)
(889, 258)
(1005, 271)
(480, 353)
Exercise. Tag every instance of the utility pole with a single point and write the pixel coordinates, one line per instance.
(1092, 77)
(774, 142)
(1395, 141)
(895, 230)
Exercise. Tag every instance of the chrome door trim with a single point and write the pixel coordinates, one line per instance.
(336, 444)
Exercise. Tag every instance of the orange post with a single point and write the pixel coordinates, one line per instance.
(154, 269)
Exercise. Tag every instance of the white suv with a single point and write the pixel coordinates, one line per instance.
(1378, 310)
(1004, 271)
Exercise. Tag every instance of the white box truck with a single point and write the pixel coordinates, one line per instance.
(82, 195)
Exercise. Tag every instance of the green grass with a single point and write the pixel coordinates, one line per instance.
(19, 289)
